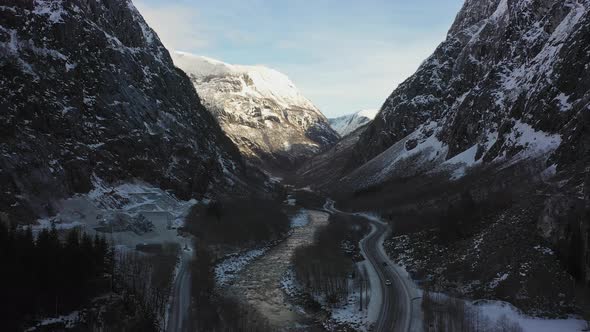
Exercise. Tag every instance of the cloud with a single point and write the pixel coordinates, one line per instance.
(175, 25)
(340, 66)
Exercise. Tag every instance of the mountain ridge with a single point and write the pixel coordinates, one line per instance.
(485, 95)
(260, 109)
(486, 145)
(346, 124)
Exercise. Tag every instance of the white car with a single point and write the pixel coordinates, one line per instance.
(387, 282)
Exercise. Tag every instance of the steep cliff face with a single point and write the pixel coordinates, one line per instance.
(507, 84)
(89, 92)
(260, 109)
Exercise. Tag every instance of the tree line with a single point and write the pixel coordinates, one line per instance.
(214, 311)
(238, 222)
(46, 275)
(324, 267)
(448, 314)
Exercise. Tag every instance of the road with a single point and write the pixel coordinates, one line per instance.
(179, 311)
(399, 310)
(395, 313)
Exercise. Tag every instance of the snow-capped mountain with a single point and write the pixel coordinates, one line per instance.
(260, 109)
(498, 118)
(89, 92)
(346, 124)
(505, 85)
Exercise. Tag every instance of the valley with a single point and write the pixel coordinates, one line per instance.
(150, 189)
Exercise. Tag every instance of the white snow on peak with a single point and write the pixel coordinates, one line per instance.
(369, 113)
(501, 10)
(346, 124)
(262, 81)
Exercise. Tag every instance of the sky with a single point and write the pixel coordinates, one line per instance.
(343, 55)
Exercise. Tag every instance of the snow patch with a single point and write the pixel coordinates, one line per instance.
(494, 283)
(563, 100)
(533, 142)
(420, 150)
(52, 9)
(301, 219)
(348, 312)
(68, 321)
(228, 269)
(462, 162)
(132, 213)
(496, 309)
(501, 10)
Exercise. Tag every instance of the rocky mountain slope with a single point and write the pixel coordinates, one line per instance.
(90, 93)
(346, 124)
(505, 85)
(260, 109)
(489, 140)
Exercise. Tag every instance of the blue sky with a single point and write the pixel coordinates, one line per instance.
(344, 55)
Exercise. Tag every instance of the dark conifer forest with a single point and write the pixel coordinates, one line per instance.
(49, 274)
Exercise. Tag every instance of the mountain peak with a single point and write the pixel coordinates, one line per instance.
(260, 109)
(346, 124)
(263, 82)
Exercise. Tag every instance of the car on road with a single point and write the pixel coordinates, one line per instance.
(385, 264)
(388, 282)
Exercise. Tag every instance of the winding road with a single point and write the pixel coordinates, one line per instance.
(179, 311)
(399, 309)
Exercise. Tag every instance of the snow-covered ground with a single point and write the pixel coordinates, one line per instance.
(229, 268)
(129, 214)
(267, 282)
(348, 313)
(492, 312)
(418, 152)
(422, 151)
(300, 219)
(344, 313)
(68, 321)
(289, 283)
(291, 200)
(496, 309)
